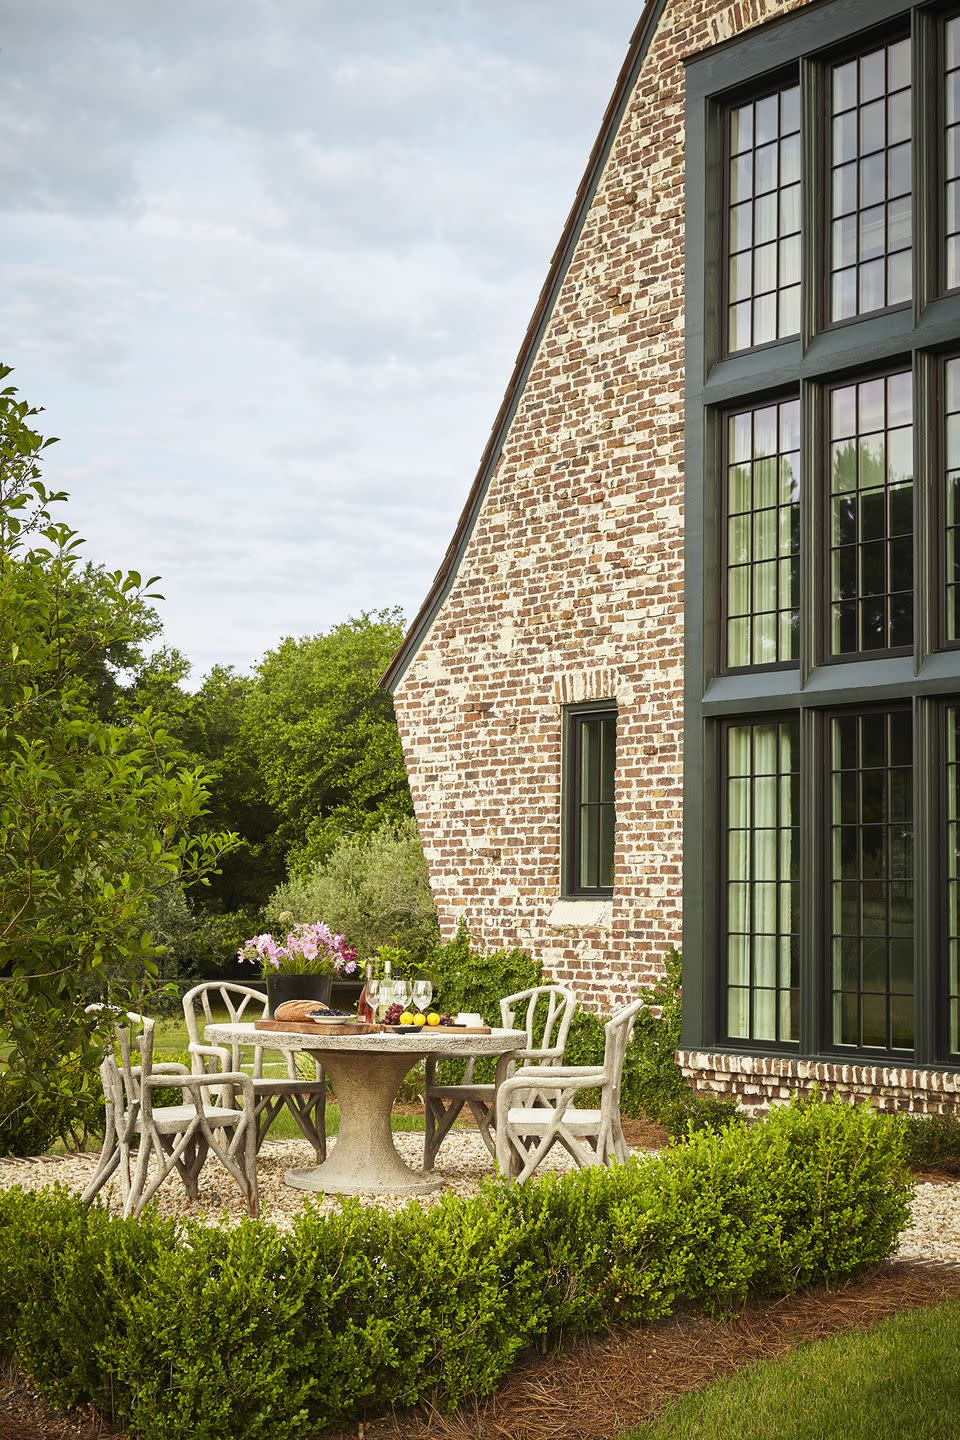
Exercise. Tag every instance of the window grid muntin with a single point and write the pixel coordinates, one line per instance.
(951, 152)
(870, 529)
(951, 498)
(763, 219)
(951, 901)
(592, 802)
(870, 182)
(754, 1011)
(769, 470)
(865, 1015)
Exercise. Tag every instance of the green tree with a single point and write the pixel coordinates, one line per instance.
(98, 810)
(325, 736)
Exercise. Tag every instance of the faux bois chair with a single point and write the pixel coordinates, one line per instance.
(304, 1097)
(544, 1014)
(147, 1142)
(536, 1110)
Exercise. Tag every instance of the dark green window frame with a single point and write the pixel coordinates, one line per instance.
(588, 809)
(918, 336)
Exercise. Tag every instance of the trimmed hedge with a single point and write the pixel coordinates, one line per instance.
(200, 1332)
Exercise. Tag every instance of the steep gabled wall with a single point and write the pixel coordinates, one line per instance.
(570, 586)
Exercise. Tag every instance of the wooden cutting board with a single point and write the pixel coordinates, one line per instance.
(443, 1029)
(327, 1027)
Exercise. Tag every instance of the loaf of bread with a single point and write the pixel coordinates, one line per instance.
(299, 1009)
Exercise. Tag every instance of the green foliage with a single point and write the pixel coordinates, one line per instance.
(932, 1142)
(261, 1335)
(325, 738)
(474, 980)
(98, 812)
(373, 888)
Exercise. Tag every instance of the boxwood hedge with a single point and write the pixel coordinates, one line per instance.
(199, 1331)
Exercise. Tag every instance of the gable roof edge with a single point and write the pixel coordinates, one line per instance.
(556, 274)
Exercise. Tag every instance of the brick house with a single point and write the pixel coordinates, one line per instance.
(690, 668)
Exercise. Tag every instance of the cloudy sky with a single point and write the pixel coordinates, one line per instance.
(267, 265)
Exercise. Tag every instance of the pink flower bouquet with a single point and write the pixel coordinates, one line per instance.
(307, 950)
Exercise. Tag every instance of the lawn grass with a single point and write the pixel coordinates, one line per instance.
(897, 1381)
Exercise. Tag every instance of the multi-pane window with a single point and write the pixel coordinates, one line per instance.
(871, 182)
(951, 441)
(871, 515)
(590, 801)
(763, 535)
(762, 819)
(953, 877)
(763, 302)
(951, 168)
(871, 815)
(858, 953)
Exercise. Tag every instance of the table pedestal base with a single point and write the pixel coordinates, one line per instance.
(364, 1160)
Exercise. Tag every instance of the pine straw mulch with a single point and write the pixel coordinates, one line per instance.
(593, 1388)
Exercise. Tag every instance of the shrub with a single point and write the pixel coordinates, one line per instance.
(372, 888)
(199, 1332)
(932, 1142)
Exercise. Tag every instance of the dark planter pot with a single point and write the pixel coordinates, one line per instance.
(281, 988)
(346, 994)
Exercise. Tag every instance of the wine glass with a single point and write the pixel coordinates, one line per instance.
(373, 995)
(422, 995)
(401, 993)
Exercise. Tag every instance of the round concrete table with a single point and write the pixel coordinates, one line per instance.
(366, 1072)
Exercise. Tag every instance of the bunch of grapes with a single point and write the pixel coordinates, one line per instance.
(392, 1014)
(447, 1020)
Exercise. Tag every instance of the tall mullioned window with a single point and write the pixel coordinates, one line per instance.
(764, 220)
(951, 444)
(822, 534)
(952, 927)
(872, 919)
(590, 800)
(762, 869)
(763, 535)
(951, 167)
(871, 188)
(871, 515)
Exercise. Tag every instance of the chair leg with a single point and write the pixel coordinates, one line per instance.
(484, 1116)
(310, 1113)
(191, 1164)
(438, 1122)
(133, 1200)
(108, 1161)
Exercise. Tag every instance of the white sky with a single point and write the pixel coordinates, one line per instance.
(267, 265)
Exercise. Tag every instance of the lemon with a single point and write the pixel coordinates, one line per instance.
(419, 1019)
(433, 1018)
(406, 1018)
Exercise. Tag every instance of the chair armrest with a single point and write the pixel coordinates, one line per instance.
(216, 1052)
(196, 1083)
(167, 1067)
(554, 1075)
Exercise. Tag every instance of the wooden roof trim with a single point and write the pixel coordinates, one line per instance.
(559, 264)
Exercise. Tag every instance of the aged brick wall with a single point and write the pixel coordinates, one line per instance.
(758, 1083)
(571, 586)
